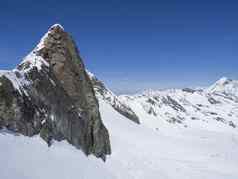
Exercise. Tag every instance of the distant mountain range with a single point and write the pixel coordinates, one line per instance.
(185, 107)
(191, 132)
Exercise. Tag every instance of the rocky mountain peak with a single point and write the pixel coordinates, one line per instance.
(51, 94)
(57, 26)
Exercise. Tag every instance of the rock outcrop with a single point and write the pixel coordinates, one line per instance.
(51, 94)
(105, 94)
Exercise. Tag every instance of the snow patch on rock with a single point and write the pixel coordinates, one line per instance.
(18, 80)
(33, 60)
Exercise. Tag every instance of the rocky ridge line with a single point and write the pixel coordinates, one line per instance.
(51, 94)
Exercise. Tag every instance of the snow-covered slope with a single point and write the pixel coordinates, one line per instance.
(189, 134)
(108, 96)
(225, 86)
(183, 133)
(137, 153)
(215, 107)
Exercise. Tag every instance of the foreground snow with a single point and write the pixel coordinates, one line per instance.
(138, 152)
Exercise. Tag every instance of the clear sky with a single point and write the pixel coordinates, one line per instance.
(132, 44)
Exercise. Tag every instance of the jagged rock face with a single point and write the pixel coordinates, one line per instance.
(17, 112)
(108, 96)
(58, 100)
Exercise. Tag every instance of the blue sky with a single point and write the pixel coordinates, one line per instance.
(132, 45)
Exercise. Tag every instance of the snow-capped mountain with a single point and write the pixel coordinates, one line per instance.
(187, 107)
(226, 87)
(216, 105)
(50, 94)
(168, 134)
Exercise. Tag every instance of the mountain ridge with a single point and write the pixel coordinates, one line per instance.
(50, 98)
(185, 105)
(52, 82)
(50, 94)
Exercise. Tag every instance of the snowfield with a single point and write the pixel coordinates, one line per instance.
(138, 152)
(164, 134)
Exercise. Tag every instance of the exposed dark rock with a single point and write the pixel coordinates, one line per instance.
(113, 100)
(220, 119)
(151, 101)
(173, 104)
(212, 113)
(174, 120)
(194, 118)
(59, 101)
(189, 90)
(231, 123)
(152, 111)
(213, 101)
